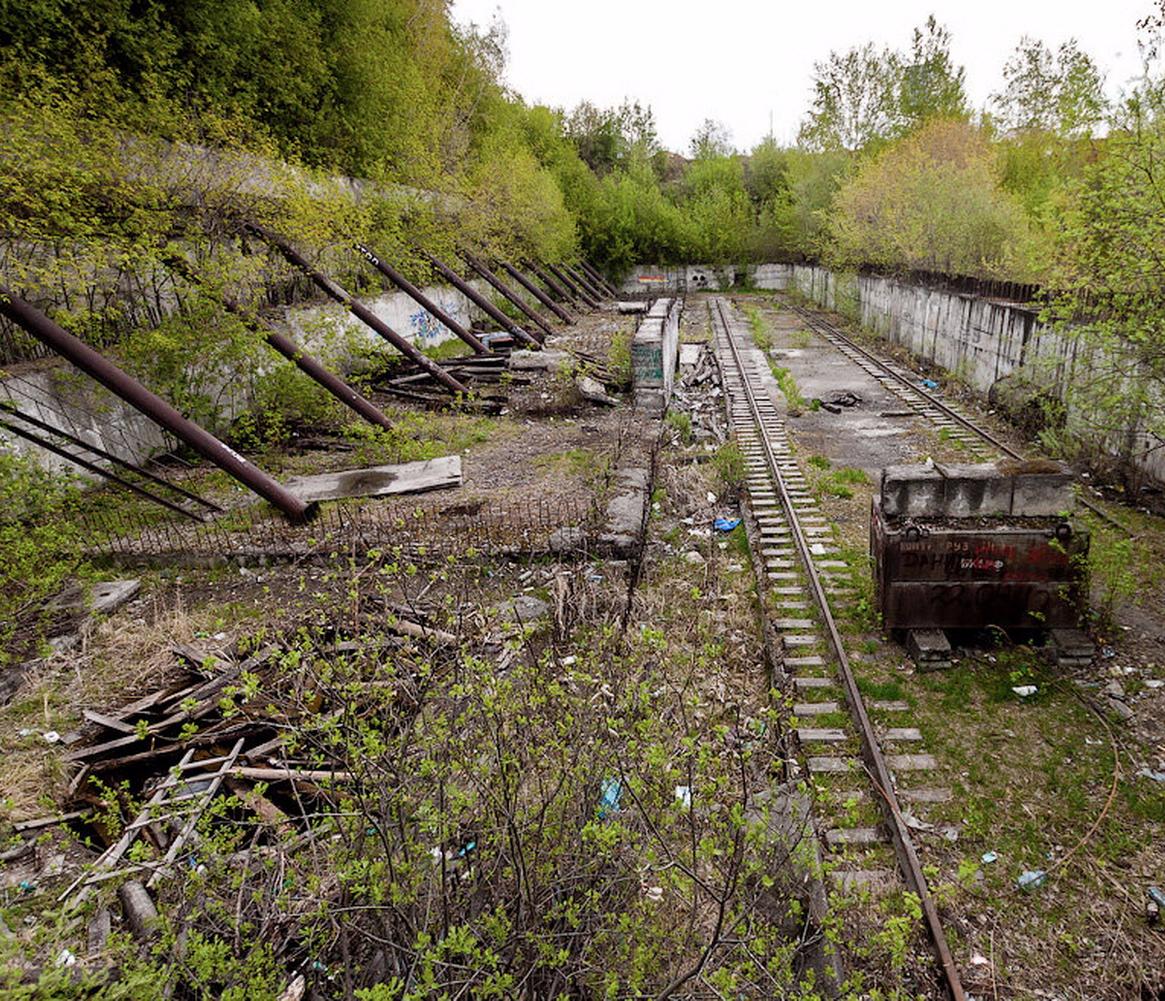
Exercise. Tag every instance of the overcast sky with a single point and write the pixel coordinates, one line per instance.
(737, 61)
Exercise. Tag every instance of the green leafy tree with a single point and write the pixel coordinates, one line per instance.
(853, 100)
(1061, 92)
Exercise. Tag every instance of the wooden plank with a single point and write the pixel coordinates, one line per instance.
(379, 481)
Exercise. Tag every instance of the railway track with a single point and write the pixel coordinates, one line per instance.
(861, 751)
(977, 440)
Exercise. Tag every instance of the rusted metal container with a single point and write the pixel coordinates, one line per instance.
(1004, 569)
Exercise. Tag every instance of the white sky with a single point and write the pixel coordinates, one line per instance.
(737, 61)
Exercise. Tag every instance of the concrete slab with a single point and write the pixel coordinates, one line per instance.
(379, 481)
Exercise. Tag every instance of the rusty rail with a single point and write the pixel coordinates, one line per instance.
(126, 388)
(577, 292)
(356, 308)
(599, 279)
(551, 282)
(871, 751)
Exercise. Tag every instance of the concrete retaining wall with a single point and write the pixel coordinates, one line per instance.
(58, 394)
(655, 354)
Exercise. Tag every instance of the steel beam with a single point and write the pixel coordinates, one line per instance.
(577, 292)
(551, 282)
(538, 294)
(308, 365)
(420, 298)
(126, 388)
(358, 309)
(480, 300)
(585, 283)
(508, 293)
(597, 276)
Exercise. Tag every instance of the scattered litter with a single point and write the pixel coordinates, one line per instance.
(1093, 743)
(569, 661)
(26, 886)
(988, 857)
(1150, 774)
(978, 959)
(66, 958)
(710, 497)
(844, 399)
(1154, 683)
(915, 824)
(735, 567)
(693, 557)
(725, 524)
(594, 577)
(1023, 691)
(610, 792)
(684, 795)
(1107, 652)
(1032, 879)
(654, 894)
(928, 383)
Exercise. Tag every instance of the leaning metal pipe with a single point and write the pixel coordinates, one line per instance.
(358, 309)
(117, 460)
(537, 293)
(585, 283)
(294, 354)
(92, 467)
(479, 300)
(509, 293)
(550, 282)
(578, 293)
(127, 388)
(420, 298)
(602, 282)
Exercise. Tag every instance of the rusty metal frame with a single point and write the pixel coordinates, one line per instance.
(503, 289)
(420, 298)
(537, 293)
(126, 388)
(577, 292)
(551, 282)
(356, 307)
(600, 281)
(480, 301)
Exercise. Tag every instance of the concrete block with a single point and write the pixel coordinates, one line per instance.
(929, 649)
(654, 356)
(911, 491)
(379, 481)
(1040, 494)
(974, 490)
(626, 510)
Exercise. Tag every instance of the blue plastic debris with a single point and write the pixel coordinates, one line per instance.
(725, 524)
(610, 793)
(1032, 879)
(928, 383)
(469, 846)
(989, 857)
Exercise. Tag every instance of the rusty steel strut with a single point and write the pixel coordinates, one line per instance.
(602, 282)
(357, 308)
(585, 283)
(578, 293)
(537, 293)
(420, 298)
(550, 282)
(510, 294)
(293, 353)
(874, 760)
(126, 388)
(479, 300)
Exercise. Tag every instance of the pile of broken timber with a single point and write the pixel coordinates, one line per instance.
(176, 749)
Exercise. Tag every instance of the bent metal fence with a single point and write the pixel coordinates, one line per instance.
(420, 528)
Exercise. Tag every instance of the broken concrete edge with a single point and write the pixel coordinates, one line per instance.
(655, 355)
(626, 513)
(441, 473)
